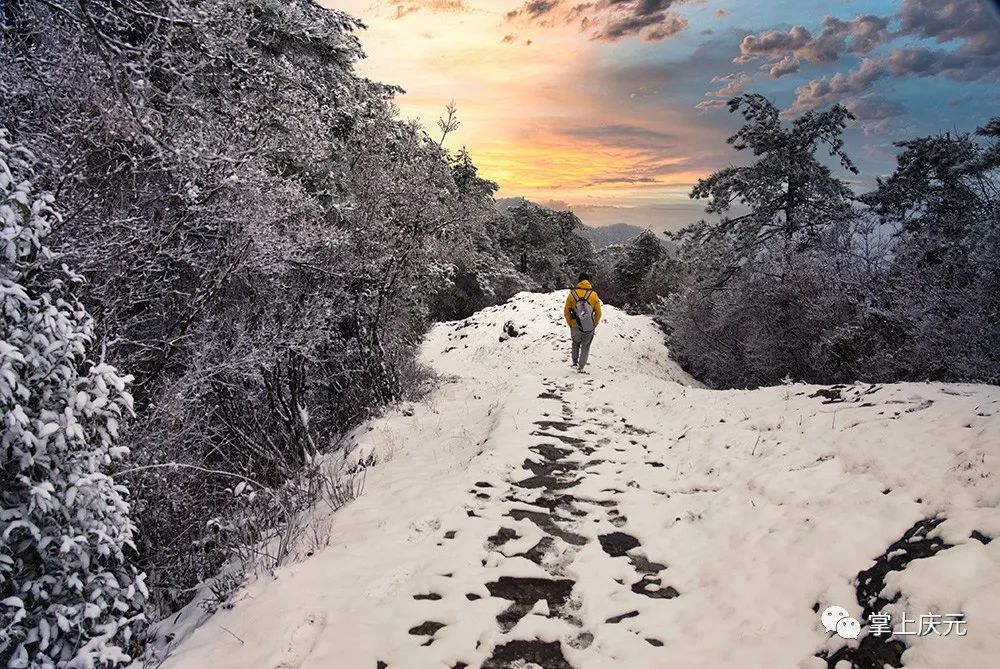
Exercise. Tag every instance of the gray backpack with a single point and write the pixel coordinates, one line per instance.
(583, 312)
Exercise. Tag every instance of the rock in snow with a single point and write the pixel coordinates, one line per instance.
(525, 515)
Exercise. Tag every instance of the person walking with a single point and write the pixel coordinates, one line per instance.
(582, 313)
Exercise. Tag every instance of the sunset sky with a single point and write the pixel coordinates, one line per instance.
(615, 107)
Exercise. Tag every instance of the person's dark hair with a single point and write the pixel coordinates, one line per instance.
(583, 277)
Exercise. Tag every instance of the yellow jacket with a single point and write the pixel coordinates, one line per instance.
(581, 290)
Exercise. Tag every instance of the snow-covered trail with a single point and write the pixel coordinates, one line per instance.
(525, 515)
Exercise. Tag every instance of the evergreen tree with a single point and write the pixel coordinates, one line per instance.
(639, 258)
(790, 194)
(942, 303)
(544, 244)
(68, 595)
(743, 312)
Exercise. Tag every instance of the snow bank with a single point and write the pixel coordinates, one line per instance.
(627, 518)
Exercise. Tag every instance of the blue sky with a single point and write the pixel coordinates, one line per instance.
(615, 108)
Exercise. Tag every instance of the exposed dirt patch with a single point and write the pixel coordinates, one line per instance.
(538, 552)
(617, 544)
(547, 482)
(550, 467)
(546, 524)
(426, 628)
(547, 501)
(560, 425)
(547, 655)
(564, 438)
(645, 566)
(503, 535)
(617, 619)
(550, 452)
(980, 537)
(433, 596)
(524, 593)
(650, 587)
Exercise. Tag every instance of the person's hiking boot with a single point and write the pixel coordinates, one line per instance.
(580, 370)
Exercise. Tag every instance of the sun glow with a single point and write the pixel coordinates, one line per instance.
(528, 113)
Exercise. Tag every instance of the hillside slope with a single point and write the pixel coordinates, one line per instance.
(527, 514)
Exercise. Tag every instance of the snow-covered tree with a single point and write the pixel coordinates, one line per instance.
(254, 221)
(640, 271)
(470, 270)
(746, 280)
(789, 192)
(69, 596)
(544, 244)
(942, 302)
(814, 287)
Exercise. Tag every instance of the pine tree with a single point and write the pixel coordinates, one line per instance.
(639, 257)
(791, 196)
(546, 245)
(68, 595)
(943, 204)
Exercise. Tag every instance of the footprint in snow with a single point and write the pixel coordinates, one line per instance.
(301, 642)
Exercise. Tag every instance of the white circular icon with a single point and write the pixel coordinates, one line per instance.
(848, 628)
(833, 615)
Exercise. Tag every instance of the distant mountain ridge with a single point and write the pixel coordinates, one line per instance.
(609, 235)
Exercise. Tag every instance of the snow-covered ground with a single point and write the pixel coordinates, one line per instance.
(628, 518)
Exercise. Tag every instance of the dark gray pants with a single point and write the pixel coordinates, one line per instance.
(581, 346)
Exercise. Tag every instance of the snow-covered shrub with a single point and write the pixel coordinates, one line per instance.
(902, 284)
(800, 315)
(240, 197)
(68, 595)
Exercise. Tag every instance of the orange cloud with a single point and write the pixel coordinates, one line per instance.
(551, 162)
(607, 20)
(534, 119)
(407, 7)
